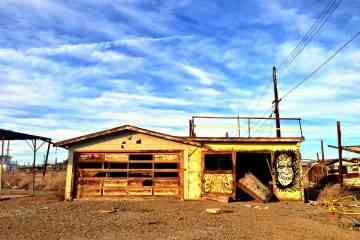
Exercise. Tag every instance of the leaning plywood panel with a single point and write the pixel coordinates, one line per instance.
(256, 189)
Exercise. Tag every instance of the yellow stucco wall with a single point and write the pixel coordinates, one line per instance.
(128, 141)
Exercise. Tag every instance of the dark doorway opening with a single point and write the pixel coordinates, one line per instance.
(256, 163)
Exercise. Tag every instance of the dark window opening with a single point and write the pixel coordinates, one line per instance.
(140, 165)
(166, 165)
(113, 165)
(90, 165)
(100, 174)
(140, 174)
(138, 141)
(140, 157)
(147, 183)
(218, 162)
(165, 174)
(118, 174)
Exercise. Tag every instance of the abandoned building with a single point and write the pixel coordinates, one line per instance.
(132, 161)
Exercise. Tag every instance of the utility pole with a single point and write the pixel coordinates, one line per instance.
(340, 152)
(1, 163)
(276, 104)
(322, 151)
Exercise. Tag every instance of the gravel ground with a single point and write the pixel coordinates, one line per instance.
(45, 217)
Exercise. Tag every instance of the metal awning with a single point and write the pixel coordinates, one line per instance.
(8, 135)
(12, 135)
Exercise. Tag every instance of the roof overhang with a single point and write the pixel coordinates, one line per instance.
(77, 140)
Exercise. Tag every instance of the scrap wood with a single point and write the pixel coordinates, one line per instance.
(7, 197)
(213, 210)
(113, 210)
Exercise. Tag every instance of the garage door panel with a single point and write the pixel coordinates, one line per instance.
(134, 174)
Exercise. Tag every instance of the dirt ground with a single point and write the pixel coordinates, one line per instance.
(46, 217)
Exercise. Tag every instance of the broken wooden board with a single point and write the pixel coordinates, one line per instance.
(256, 189)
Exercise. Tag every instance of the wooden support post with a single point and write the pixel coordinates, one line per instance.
(33, 166)
(340, 152)
(46, 159)
(317, 156)
(190, 128)
(322, 151)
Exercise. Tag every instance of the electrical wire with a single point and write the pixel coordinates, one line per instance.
(321, 65)
(313, 31)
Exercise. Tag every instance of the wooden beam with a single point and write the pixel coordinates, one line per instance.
(46, 159)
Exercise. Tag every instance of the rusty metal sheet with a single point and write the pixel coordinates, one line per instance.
(116, 157)
(91, 157)
(166, 158)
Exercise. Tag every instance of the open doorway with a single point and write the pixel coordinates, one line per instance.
(252, 162)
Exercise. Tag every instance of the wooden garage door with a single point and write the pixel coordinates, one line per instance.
(128, 174)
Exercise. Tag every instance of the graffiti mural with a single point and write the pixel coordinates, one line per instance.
(287, 170)
(218, 183)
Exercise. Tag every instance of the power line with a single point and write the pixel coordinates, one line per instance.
(314, 29)
(316, 22)
(321, 65)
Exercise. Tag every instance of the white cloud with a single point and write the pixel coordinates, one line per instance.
(205, 77)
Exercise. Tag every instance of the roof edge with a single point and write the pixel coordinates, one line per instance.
(72, 141)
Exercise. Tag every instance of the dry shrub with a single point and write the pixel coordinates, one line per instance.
(19, 180)
(332, 192)
(53, 181)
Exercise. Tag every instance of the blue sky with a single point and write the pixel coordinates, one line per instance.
(73, 67)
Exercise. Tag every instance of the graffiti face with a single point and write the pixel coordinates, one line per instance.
(284, 170)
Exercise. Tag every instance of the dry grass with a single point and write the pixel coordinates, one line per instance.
(53, 181)
(332, 192)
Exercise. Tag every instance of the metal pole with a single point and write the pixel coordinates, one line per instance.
(276, 104)
(249, 127)
(33, 166)
(340, 152)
